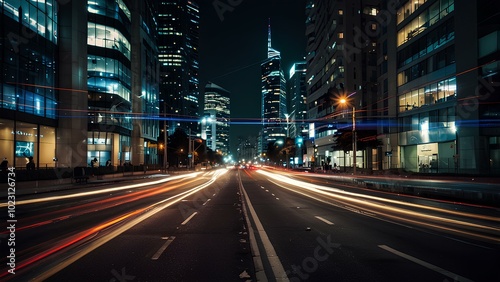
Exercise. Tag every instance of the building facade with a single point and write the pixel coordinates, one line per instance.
(297, 123)
(274, 102)
(216, 118)
(122, 103)
(109, 82)
(178, 35)
(341, 63)
(28, 82)
(415, 73)
(247, 151)
(145, 83)
(75, 95)
(446, 84)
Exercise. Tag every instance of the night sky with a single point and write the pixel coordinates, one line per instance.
(232, 48)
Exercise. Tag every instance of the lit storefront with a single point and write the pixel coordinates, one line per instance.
(21, 140)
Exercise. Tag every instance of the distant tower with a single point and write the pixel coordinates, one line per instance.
(273, 107)
(217, 114)
(297, 93)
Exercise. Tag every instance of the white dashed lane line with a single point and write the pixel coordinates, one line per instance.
(189, 218)
(324, 220)
(163, 247)
(438, 269)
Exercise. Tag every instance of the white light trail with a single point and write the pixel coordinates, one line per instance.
(101, 191)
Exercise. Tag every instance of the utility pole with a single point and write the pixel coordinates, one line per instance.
(190, 150)
(354, 140)
(165, 162)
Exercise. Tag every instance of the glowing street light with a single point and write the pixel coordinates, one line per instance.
(354, 139)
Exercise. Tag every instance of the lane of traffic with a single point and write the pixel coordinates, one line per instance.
(358, 236)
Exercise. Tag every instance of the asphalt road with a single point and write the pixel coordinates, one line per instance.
(325, 240)
(254, 225)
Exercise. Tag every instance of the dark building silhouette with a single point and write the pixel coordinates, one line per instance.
(178, 22)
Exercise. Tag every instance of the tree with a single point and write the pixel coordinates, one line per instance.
(178, 144)
(288, 150)
(365, 139)
(273, 151)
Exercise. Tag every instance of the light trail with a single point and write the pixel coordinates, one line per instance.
(133, 217)
(383, 206)
(96, 206)
(101, 191)
(325, 188)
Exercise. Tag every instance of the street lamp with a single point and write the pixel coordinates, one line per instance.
(165, 139)
(354, 139)
(165, 161)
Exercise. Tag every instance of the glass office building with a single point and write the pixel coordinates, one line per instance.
(28, 81)
(216, 119)
(178, 34)
(109, 81)
(68, 92)
(274, 103)
(446, 74)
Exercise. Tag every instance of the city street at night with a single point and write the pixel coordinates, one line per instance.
(259, 224)
(249, 140)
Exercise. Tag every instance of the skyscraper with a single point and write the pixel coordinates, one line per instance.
(298, 127)
(28, 82)
(434, 99)
(216, 118)
(445, 77)
(274, 103)
(115, 47)
(109, 81)
(75, 95)
(341, 59)
(145, 78)
(178, 22)
(297, 92)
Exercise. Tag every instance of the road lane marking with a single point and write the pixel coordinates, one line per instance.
(163, 248)
(189, 218)
(206, 202)
(438, 269)
(144, 214)
(324, 220)
(276, 266)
